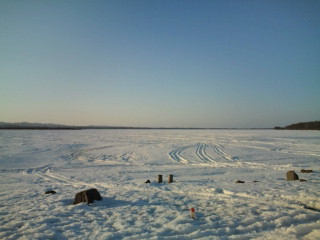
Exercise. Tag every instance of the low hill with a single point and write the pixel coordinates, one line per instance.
(315, 125)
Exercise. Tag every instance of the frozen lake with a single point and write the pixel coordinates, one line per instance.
(205, 164)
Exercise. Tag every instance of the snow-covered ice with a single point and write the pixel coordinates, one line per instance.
(205, 165)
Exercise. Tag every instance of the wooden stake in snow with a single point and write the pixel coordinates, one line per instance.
(193, 215)
(159, 178)
(170, 179)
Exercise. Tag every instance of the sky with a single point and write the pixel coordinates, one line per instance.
(160, 63)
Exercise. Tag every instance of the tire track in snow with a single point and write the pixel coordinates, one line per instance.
(201, 153)
(61, 180)
(176, 155)
(58, 179)
(27, 170)
(218, 149)
(207, 160)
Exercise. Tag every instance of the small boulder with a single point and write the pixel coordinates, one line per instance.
(306, 171)
(148, 181)
(291, 176)
(87, 196)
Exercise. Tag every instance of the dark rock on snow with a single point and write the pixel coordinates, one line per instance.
(50, 192)
(291, 176)
(306, 171)
(239, 181)
(87, 196)
(148, 181)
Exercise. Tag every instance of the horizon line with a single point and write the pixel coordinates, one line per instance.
(37, 125)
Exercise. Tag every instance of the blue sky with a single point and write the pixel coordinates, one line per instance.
(160, 63)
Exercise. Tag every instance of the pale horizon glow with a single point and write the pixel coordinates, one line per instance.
(218, 64)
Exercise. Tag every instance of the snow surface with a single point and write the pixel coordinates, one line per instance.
(205, 165)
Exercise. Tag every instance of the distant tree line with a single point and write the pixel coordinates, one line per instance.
(315, 125)
(35, 126)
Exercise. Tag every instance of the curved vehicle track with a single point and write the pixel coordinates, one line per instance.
(176, 154)
(59, 179)
(201, 153)
(218, 149)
